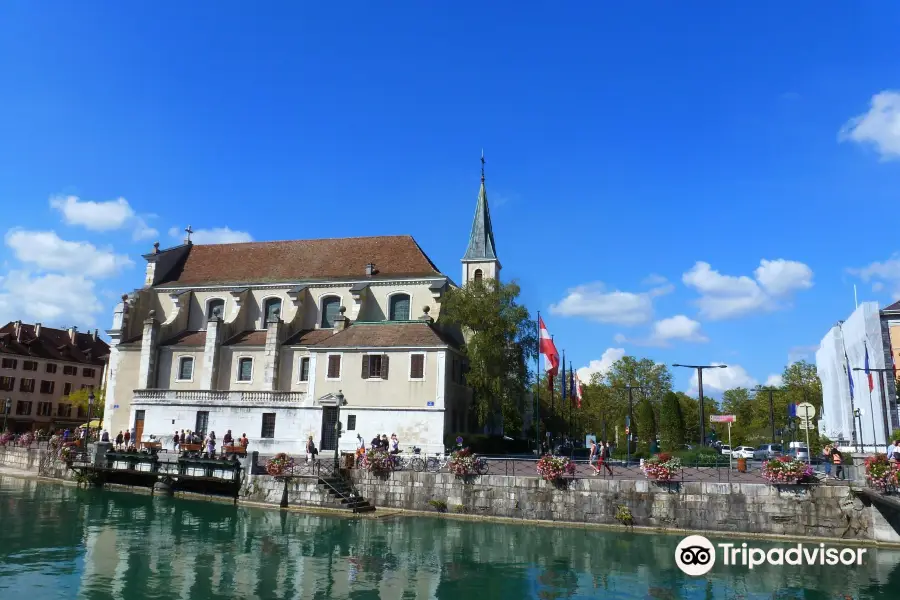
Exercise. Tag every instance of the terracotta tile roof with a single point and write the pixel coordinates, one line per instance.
(187, 338)
(247, 338)
(53, 344)
(264, 262)
(387, 335)
(308, 337)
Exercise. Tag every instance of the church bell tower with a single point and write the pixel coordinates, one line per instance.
(480, 260)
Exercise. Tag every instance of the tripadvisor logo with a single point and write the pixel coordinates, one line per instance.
(695, 555)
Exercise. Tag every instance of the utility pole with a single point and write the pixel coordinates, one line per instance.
(629, 419)
(771, 392)
(700, 369)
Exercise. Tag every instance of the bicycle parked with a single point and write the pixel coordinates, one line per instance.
(439, 462)
(412, 462)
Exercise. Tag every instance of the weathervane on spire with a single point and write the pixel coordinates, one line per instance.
(482, 165)
(188, 231)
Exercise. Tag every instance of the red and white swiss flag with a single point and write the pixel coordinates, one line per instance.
(548, 349)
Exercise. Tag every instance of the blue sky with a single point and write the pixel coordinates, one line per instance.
(641, 163)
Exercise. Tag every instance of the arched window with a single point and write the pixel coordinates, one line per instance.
(215, 308)
(185, 368)
(271, 310)
(399, 308)
(330, 309)
(478, 275)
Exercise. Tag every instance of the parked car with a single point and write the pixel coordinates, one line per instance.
(743, 452)
(799, 452)
(768, 452)
(725, 449)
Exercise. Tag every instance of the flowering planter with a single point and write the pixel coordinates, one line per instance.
(788, 471)
(378, 462)
(662, 468)
(555, 468)
(280, 465)
(881, 474)
(463, 463)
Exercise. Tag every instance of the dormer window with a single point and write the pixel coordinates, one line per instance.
(215, 308)
(272, 310)
(330, 309)
(399, 307)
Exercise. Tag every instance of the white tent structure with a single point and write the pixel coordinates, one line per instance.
(845, 346)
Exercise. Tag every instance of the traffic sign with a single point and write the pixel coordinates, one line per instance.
(722, 418)
(806, 424)
(805, 410)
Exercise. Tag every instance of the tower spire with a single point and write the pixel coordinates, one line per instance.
(481, 240)
(482, 166)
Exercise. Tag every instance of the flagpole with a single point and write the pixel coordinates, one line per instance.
(562, 386)
(552, 394)
(537, 391)
(871, 405)
(571, 399)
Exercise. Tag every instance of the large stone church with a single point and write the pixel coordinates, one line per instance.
(266, 338)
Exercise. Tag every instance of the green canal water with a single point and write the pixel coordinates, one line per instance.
(57, 541)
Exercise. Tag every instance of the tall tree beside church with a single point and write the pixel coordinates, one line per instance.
(501, 341)
(646, 420)
(671, 423)
(79, 399)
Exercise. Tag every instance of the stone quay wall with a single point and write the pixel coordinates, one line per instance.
(818, 511)
(29, 459)
(266, 489)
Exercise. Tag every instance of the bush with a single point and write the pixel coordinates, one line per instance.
(460, 508)
(438, 505)
(702, 457)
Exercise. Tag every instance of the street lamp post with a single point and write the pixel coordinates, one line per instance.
(700, 388)
(90, 414)
(884, 409)
(8, 406)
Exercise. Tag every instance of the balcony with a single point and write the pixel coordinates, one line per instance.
(210, 398)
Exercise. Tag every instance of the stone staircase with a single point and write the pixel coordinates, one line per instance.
(343, 492)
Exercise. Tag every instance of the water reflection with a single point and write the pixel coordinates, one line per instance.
(119, 545)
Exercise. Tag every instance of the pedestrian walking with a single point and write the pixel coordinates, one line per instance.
(837, 458)
(595, 455)
(127, 438)
(120, 439)
(175, 440)
(605, 456)
(826, 457)
(311, 450)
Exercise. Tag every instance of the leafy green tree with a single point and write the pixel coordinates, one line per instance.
(646, 420)
(79, 399)
(671, 423)
(500, 342)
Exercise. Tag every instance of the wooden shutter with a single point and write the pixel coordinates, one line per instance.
(384, 366)
(417, 366)
(334, 366)
(365, 366)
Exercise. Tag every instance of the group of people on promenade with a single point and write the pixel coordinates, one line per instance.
(180, 439)
(600, 455)
(832, 456)
(380, 443)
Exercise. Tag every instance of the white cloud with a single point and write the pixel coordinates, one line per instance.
(654, 279)
(602, 366)
(51, 299)
(774, 381)
(719, 380)
(798, 353)
(677, 328)
(880, 126)
(49, 252)
(216, 235)
(594, 302)
(728, 296)
(102, 216)
(881, 274)
(781, 277)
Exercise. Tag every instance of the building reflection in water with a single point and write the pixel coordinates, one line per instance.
(122, 545)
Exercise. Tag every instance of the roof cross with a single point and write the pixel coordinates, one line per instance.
(188, 231)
